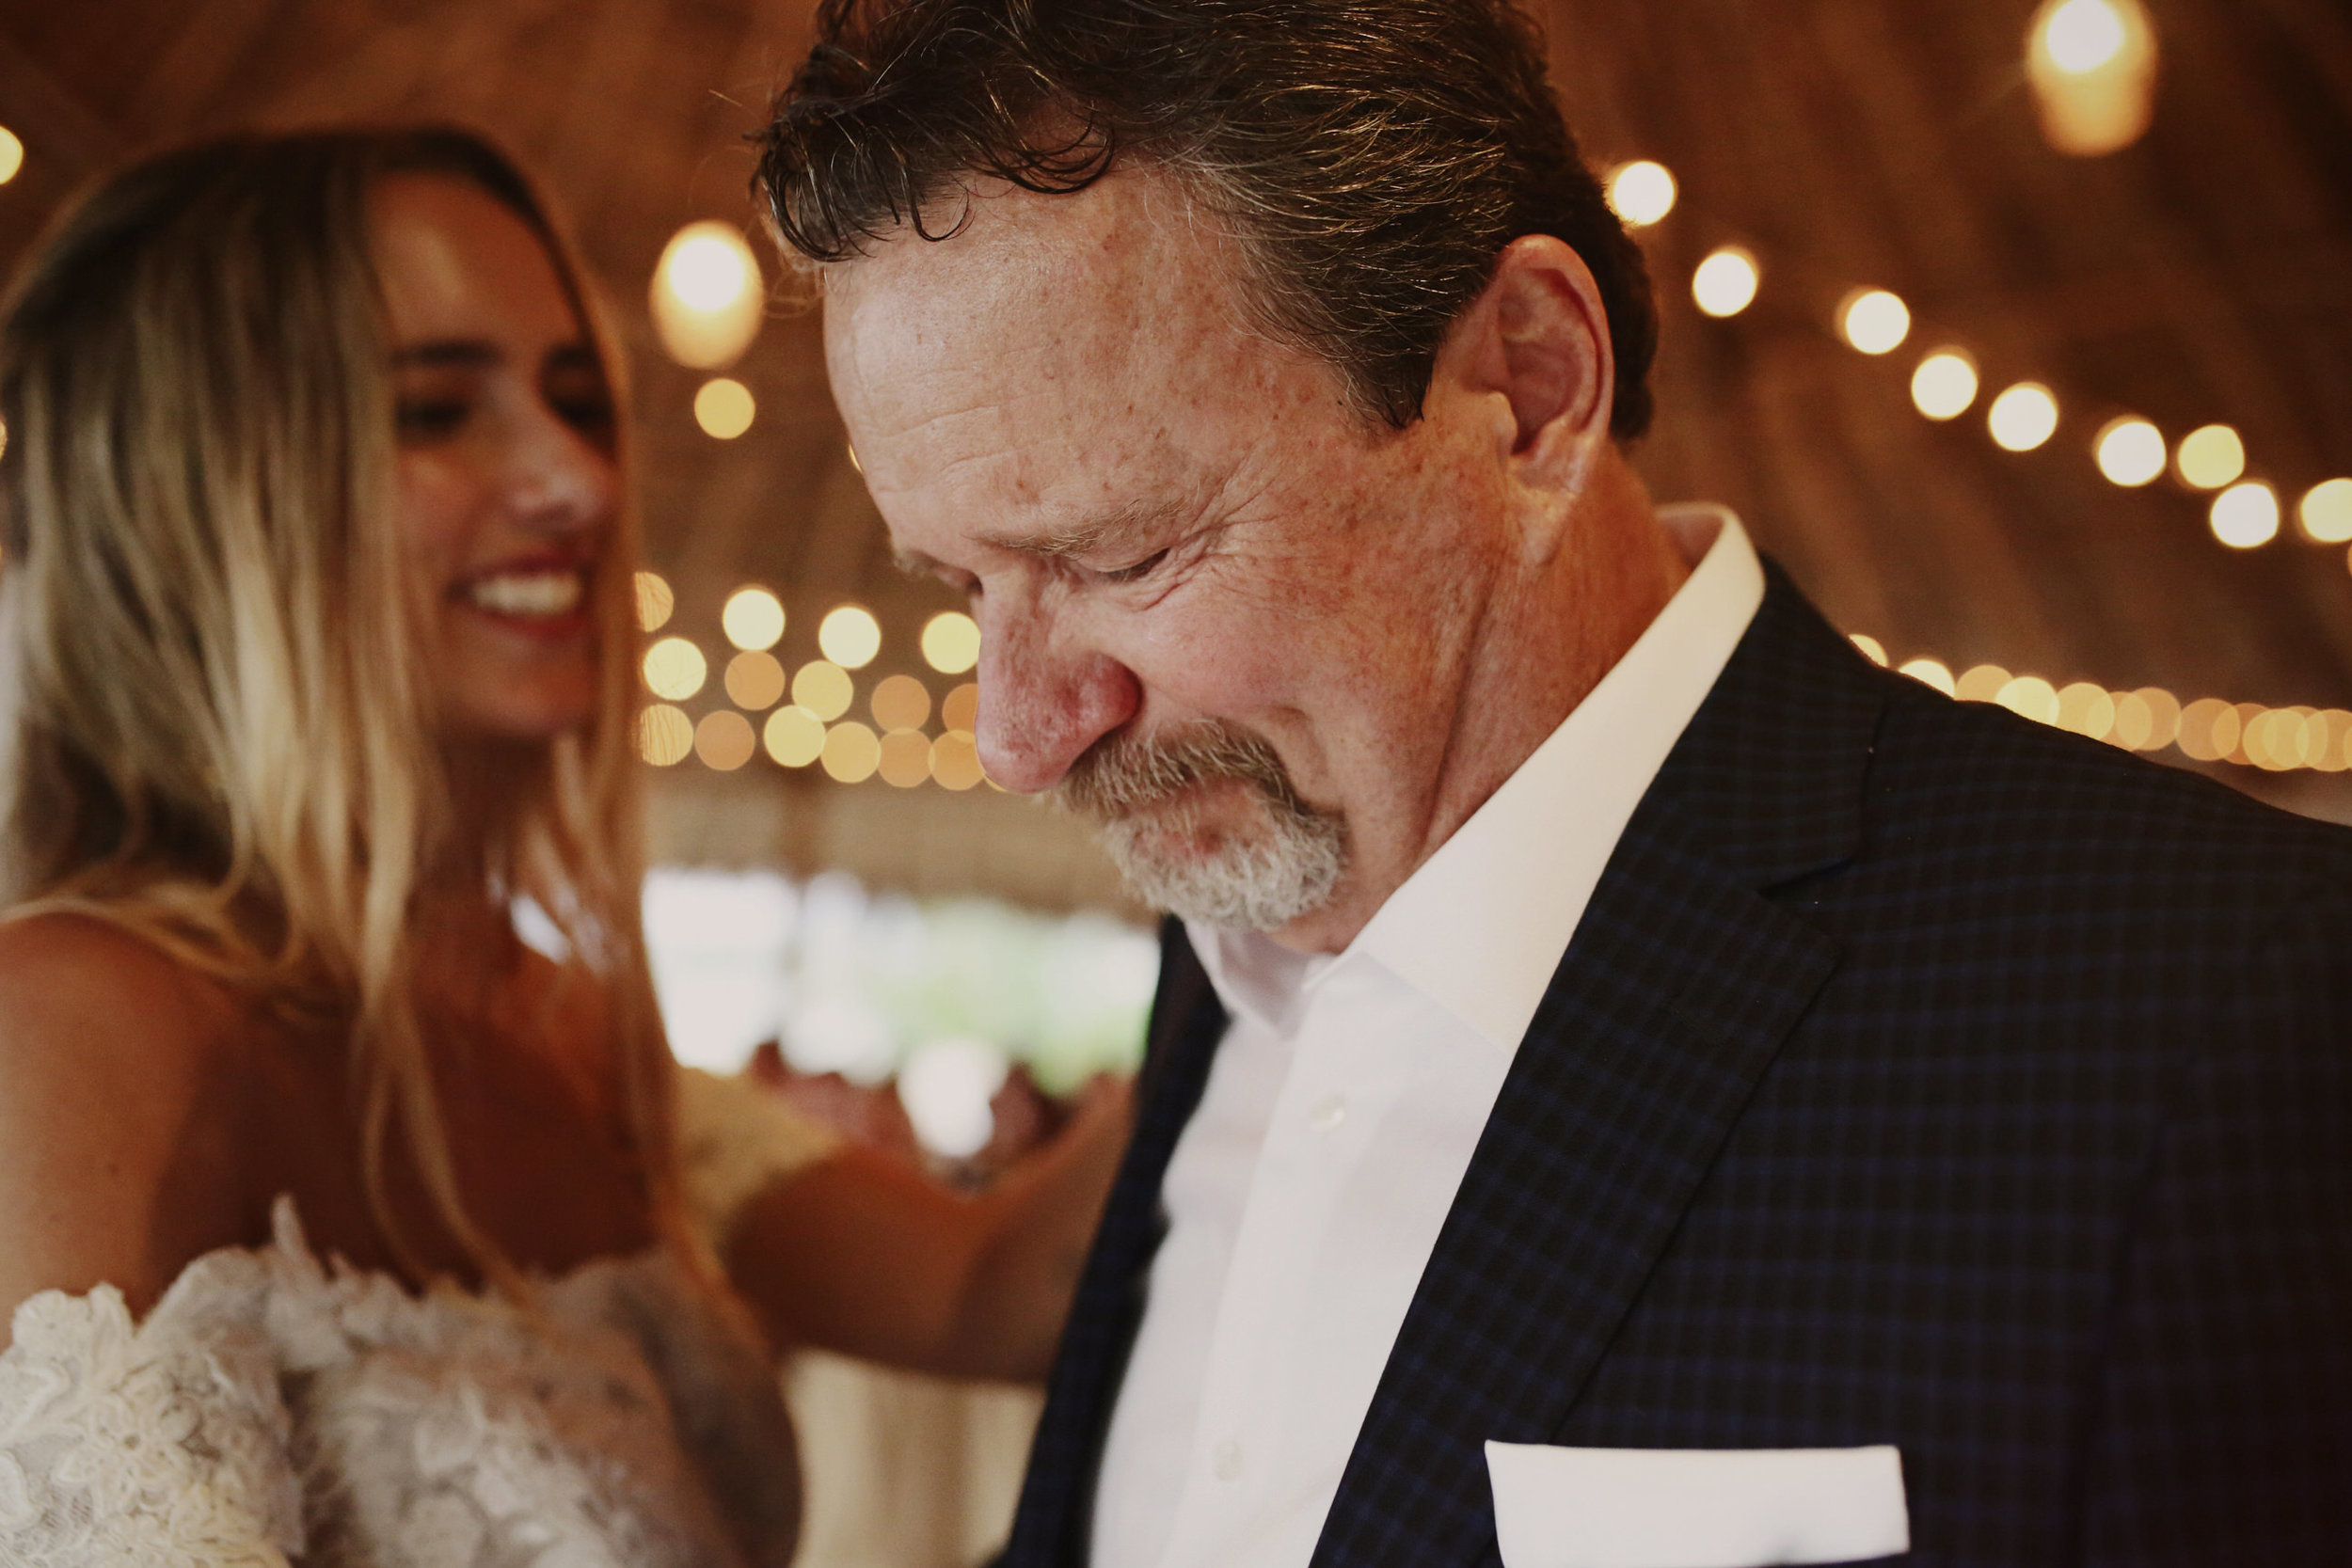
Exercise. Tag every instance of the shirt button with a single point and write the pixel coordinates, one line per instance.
(1227, 1460)
(1329, 1113)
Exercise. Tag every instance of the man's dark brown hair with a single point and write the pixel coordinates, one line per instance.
(1373, 157)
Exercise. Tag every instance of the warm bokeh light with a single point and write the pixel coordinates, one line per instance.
(1935, 672)
(2245, 515)
(11, 154)
(962, 708)
(2087, 707)
(824, 688)
(906, 758)
(754, 680)
(664, 736)
(2164, 716)
(2326, 512)
(1642, 193)
(707, 296)
(655, 601)
(952, 642)
(2209, 730)
(1944, 385)
(2247, 713)
(724, 741)
(1981, 683)
(2029, 697)
(794, 737)
(1725, 283)
(900, 703)
(2135, 725)
(675, 669)
(2093, 65)
(850, 636)
(1872, 649)
(2131, 451)
(2333, 753)
(707, 267)
(2211, 457)
(2024, 417)
(1874, 321)
(724, 408)
(2276, 740)
(2083, 35)
(754, 618)
(852, 752)
(956, 760)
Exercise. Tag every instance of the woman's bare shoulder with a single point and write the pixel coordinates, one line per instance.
(119, 1110)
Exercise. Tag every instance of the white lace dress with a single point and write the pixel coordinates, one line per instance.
(273, 1410)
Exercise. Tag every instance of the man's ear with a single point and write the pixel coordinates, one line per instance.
(1538, 336)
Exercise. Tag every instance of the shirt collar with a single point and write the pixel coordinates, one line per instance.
(1479, 929)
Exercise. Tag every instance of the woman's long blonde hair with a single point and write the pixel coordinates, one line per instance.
(221, 738)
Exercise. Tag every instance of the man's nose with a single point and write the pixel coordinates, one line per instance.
(1042, 704)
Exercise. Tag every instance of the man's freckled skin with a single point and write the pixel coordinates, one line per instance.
(1352, 593)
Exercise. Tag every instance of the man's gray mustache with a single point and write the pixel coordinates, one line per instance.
(1122, 773)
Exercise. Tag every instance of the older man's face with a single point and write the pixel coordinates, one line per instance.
(1222, 613)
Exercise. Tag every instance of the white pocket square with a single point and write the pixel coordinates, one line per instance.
(1695, 1508)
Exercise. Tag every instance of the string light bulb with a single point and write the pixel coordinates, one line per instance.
(1726, 282)
(1874, 321)
(2092, 65)
(753, 619)
(2211, 457)
(724, 408)
(2131, 451)
(655, 601)
(850, 636)
(2245, 515)
(1642, 193)
(11, 154)
(2024, 418)
(675, 669)
(708, 296)
(952, 642)
(1944, 385)
(2326, 512)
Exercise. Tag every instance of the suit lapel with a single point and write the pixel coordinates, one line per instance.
(1671, 1002)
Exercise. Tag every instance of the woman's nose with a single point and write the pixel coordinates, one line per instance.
(558, 481)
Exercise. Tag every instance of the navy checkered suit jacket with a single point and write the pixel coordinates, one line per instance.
(1918, 1075)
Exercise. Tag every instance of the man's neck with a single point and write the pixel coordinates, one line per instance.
(1546, 644)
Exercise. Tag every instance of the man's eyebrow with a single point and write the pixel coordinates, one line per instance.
(458, 353)
(1134, 524)
(1107, 533)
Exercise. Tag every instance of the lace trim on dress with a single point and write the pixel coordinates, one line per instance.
(270, 1409)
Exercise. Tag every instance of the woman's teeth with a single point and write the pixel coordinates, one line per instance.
(528, 593)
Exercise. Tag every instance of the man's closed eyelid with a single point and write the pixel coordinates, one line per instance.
(1136, 570)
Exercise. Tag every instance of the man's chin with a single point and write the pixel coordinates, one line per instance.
(1255, 878)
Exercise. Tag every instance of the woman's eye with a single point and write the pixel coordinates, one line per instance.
(430, 419)
(1138, 571)
(590, 414)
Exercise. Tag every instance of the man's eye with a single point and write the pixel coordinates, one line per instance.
(1135, 573)
(430, 419)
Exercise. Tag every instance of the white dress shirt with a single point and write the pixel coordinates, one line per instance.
(1342, 1108)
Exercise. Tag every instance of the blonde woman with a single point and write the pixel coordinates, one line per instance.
(317, 596)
